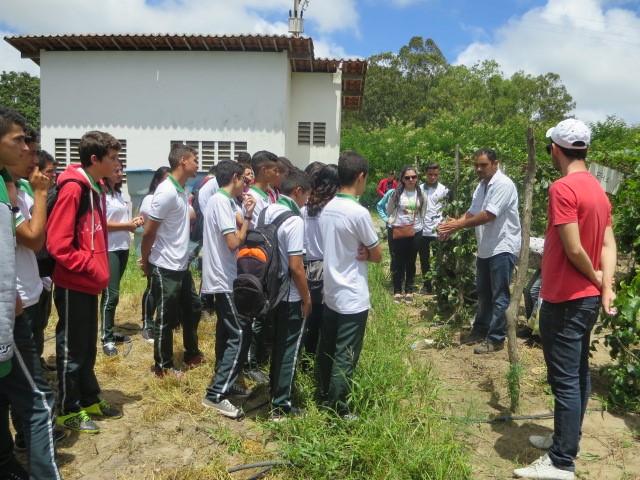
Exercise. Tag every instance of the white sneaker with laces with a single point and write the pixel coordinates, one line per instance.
(224, 407)
(543, 469)
(543, 442)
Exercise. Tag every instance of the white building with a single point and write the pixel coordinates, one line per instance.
(221, 94)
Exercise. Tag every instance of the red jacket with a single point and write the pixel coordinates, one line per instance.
(85, 268)
(383, 186)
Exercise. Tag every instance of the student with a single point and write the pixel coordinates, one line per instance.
(220, 249)
(120, 228)
(165, 257)
(349, 242)
(265, 169)
(81, 272)
(386, 184)
(325, 188)
(405, 209)
(148, 303)
(21, 379)
(47, 166)
(435, 194)
(284, 167)
(290, 314)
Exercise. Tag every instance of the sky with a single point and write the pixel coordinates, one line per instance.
(594, 45)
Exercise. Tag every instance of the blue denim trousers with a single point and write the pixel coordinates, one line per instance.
(565, 329)
(493, 275)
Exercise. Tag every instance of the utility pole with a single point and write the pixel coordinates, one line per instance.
(296, 22)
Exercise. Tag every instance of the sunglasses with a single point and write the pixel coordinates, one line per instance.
(548, 148)
(410, 177)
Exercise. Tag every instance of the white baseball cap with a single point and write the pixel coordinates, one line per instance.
(570, 133)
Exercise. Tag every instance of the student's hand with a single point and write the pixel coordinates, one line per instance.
(144, 267)
(598, 280)
(38, 181)
(607, 297)
(19, 305)
(306, 307)
(363, 253)
(138, 221)
(249, 204)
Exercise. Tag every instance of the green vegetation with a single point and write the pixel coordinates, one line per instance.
(400, 434)
(21, 91)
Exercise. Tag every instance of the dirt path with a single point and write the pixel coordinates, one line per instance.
(475, 386)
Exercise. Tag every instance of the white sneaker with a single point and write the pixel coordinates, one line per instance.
(224, 407)
(543, 469)
(543, 442)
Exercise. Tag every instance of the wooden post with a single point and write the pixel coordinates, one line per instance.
(458, 265)
(523, 259)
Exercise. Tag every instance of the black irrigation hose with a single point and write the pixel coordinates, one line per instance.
(270, 464)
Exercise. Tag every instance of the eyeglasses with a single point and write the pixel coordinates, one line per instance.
(410, 177)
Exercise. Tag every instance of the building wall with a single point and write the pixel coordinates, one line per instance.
(315, 98)
(153, 98)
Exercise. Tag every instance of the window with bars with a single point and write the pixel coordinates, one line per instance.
(66, 153)
(210, 152)
(312, 133)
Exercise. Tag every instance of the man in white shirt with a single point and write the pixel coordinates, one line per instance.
(494, 214)
(221, 241)
(349, 242)
(165, 257)
(290, 315)
(436, 195)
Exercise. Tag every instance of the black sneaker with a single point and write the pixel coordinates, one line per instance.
(239, 392)
(109, 349)
(279, 415)
(257, 376)
(147, 335)
(224, 407)
(46, 366)
(78, 421)
(19, 445)
(103, 409)
(487, 346)
(14, 471)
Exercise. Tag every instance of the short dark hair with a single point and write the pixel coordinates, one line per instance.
(98, 144)
(432, 166)
(486, 152)
(243, 157)
(8, 118)
(212, 170)
(314, 169)
(45, 157)
(296, 178)
(178, 151)
(285, 164)
(350, 165)
(261, 158)
(573, 153)
(30, 135)
(226, 170)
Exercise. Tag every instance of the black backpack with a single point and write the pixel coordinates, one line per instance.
(197, 229)
(46, 261)
(260, 286)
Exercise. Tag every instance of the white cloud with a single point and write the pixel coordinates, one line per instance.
(593, 48)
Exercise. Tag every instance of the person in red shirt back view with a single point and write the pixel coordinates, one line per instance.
(577, 277)
(387, 183)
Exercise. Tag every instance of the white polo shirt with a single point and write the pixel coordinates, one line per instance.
(345, 226)
(312, 236)
(219, 267)
(436, 198)
(170, 207)
(290, 237)
(206, 192)
(145, 206)
(28, 278)
(262, 202)
(499, 197)
(118, 212)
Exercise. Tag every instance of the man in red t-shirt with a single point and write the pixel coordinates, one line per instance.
(577, 277)
(386, 184)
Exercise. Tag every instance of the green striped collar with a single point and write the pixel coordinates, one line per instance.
(290, 204)
(179, 187)
(347, 196)
(25, 186)
(260, 192)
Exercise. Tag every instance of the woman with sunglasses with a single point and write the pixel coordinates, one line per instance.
(405, 209)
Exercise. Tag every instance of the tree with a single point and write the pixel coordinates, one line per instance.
(21, 91)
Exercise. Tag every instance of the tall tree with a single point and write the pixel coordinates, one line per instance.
(21, 91)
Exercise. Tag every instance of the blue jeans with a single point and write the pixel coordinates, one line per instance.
(493, 275)
(565, 329)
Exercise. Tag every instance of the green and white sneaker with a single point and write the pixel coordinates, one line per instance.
(78, 421)
(103, 409)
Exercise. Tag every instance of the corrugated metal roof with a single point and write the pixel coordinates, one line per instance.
(300, 51)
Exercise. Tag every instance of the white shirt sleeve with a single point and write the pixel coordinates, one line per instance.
(294, 235)
(366, 231)
(223, 214)
(476, 206)
(161, 205)
(498, 198)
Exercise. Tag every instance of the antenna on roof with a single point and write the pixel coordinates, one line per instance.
(296, 23)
